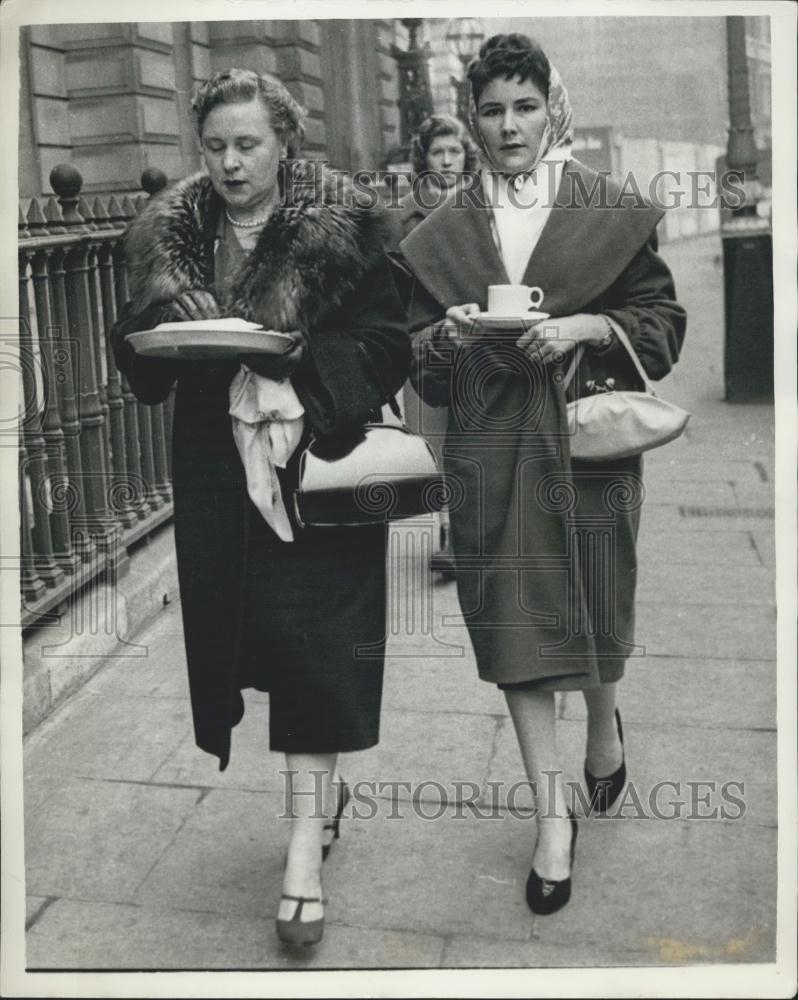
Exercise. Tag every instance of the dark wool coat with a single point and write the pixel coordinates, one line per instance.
(546, 547)
(318, 266)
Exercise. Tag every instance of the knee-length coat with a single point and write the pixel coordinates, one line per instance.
(545, 547)
(319, 267)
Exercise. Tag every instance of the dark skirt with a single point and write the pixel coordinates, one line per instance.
(314, 632)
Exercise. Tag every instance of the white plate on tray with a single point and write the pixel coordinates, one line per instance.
(211, 338)
(520, 322)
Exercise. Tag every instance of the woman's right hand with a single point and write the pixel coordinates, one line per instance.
(195, 304)
(460, 322)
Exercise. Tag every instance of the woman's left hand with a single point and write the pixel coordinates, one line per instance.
(550, 340)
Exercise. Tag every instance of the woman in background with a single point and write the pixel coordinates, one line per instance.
(443, 151)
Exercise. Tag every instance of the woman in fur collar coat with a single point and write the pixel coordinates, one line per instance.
(265, 603)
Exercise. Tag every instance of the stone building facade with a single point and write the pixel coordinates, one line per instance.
(114, 99)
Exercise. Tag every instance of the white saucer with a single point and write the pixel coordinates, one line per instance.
(523, 320)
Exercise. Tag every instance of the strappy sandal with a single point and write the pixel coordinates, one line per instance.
(297, 932)
(344, 795)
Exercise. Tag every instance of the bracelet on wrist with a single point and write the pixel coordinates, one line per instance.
(608, 339)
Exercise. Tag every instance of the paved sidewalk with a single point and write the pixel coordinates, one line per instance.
(141, 854)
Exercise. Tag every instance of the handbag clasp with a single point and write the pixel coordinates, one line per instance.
(593, 386)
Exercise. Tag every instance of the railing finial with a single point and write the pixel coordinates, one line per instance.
(153, 180)
(67, 182)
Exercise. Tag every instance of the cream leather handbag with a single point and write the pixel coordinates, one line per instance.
(612, 424)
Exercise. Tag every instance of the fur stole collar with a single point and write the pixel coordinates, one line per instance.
(316, 247)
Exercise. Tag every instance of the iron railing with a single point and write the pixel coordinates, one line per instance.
(94, 463)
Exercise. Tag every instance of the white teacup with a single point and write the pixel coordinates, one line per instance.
(513, 300)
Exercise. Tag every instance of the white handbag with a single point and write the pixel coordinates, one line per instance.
(616, 424)
(384, 473)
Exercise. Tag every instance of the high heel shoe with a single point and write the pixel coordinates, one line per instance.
(335, 824)
(604, 791)
(545, 896)
(297, 932)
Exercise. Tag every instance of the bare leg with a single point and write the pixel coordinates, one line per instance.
(604, 750)
(532, 713)
(309, 798)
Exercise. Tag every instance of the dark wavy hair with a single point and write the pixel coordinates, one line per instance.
(511, 57)
(438, 125)
(238, 86)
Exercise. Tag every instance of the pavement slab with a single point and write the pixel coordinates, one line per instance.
(706, 584)
(462, 951)
(431, 686)
(227, 858)
(662, 690)
(108, 736)
(252, 765)
(663, 519)
(664, 753)
(115, 936)
(99, 839)
(727, 632)
(733, 470)
(160, 673)
(34, 906)
(428, 757)
(687, 890)
(725, 546)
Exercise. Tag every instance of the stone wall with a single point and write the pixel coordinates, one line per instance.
(114, 99)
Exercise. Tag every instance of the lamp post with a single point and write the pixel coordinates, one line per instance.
(415, 96)
(747, 244)
(464, 35)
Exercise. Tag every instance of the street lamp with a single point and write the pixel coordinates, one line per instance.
(747, 244)
(464, 35)
(415, 96)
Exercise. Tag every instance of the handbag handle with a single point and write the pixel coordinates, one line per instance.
(390, 399)
(623, 337)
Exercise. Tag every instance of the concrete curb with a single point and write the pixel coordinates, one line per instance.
(98, 626)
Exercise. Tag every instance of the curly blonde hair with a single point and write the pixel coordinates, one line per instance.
(237, 86)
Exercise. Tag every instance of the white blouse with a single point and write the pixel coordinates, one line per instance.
(520, 208)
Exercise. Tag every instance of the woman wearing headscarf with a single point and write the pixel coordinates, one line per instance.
(267, 603)
(544, 545)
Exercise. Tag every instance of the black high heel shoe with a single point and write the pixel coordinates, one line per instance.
(297, 932)
(545, 896)
(604, 791)
(344, 796)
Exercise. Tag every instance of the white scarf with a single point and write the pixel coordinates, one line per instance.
(268, 419)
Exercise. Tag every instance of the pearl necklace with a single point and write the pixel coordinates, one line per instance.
(245, 225)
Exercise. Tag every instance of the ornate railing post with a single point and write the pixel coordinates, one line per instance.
(138, 502)
(53, 359)
(94, 482)
(83, 437)
(33, 587)
(35, 468)
(124, 489)
(153, 181)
